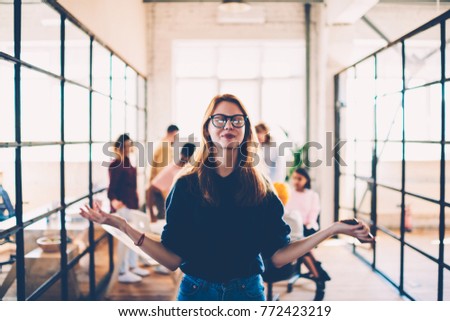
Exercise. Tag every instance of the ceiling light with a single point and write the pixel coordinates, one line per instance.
(234, 6)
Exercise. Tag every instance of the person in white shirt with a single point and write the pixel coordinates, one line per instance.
(304, 200)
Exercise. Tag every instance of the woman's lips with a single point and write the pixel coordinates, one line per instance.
(228, 136)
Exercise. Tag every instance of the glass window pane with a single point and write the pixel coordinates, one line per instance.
(101, 157)
(131, 122)
(390, 70)
(423, 113)
(423, 169)
(7, 110)
(41, 36)
(346, 192)
(77, 54)
(118, 119)
(76, 114)
(8, 275)
(281, 97)
(100, 118)
(283, 60)
(118, 79)
(40, 179)
(41, 263)
(40, 100)
(7, 28)
(131, 84)
(389, 117)
(100, 68)
(423, 63)
(388, 256)
(141, 92)
(389, 209)
(7, 186)
(193, 60)
(238, 61)
(193, 96)
(141, 123)
(447, 173)
(446, 284)
(347, 153)
(76, 171)
(248, 92)
(363, 153)
(420, 278)
(422, 225)
(363, 197)
(389, 166)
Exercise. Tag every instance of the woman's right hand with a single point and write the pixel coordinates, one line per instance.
(98, 216)
(361, 231)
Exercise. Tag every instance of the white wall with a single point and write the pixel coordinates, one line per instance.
(121, 24)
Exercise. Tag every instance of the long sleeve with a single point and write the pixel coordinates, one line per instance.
(175, 235)
(276, 231)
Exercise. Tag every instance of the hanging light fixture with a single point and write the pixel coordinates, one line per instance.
(234, 6)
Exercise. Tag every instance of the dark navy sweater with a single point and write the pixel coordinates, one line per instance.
(224, 242)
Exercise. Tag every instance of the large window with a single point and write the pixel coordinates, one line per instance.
(60, 103)
(393, 114)
(268, 77)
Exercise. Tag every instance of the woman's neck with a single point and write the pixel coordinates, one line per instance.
(227, 161)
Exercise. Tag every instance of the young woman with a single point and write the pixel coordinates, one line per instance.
(304, 200)
(223, 217)
(122, 192)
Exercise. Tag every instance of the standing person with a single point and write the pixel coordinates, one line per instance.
(160, 185)
(305, 201)
(162, 156)
(274, 163)
(122, 192)
(223, 216)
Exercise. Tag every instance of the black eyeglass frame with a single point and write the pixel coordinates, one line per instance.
(228, 118)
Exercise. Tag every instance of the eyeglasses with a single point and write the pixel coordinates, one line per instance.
(220, 120)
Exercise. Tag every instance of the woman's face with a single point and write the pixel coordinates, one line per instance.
(127, 146)
(299, 181)
(228, 137)
(261, 136)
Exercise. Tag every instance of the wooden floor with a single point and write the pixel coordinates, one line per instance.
(351, 280)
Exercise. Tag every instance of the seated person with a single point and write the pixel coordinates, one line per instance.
(294, 219)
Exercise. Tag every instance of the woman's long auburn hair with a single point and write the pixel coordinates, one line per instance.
(253, 186)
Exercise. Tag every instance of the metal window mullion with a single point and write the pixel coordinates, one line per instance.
(440, 294)
(92, 289)
(337, 135)
(63, 232)
(402, 216)
(373, 210)
(20, 243)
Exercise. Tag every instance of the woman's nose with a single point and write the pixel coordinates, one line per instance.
(228, 124)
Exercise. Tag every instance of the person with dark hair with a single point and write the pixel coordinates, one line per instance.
(304, 204)
(122, 192)
(223, 216)
(160, 185)
(162, 156)
(304, 200)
